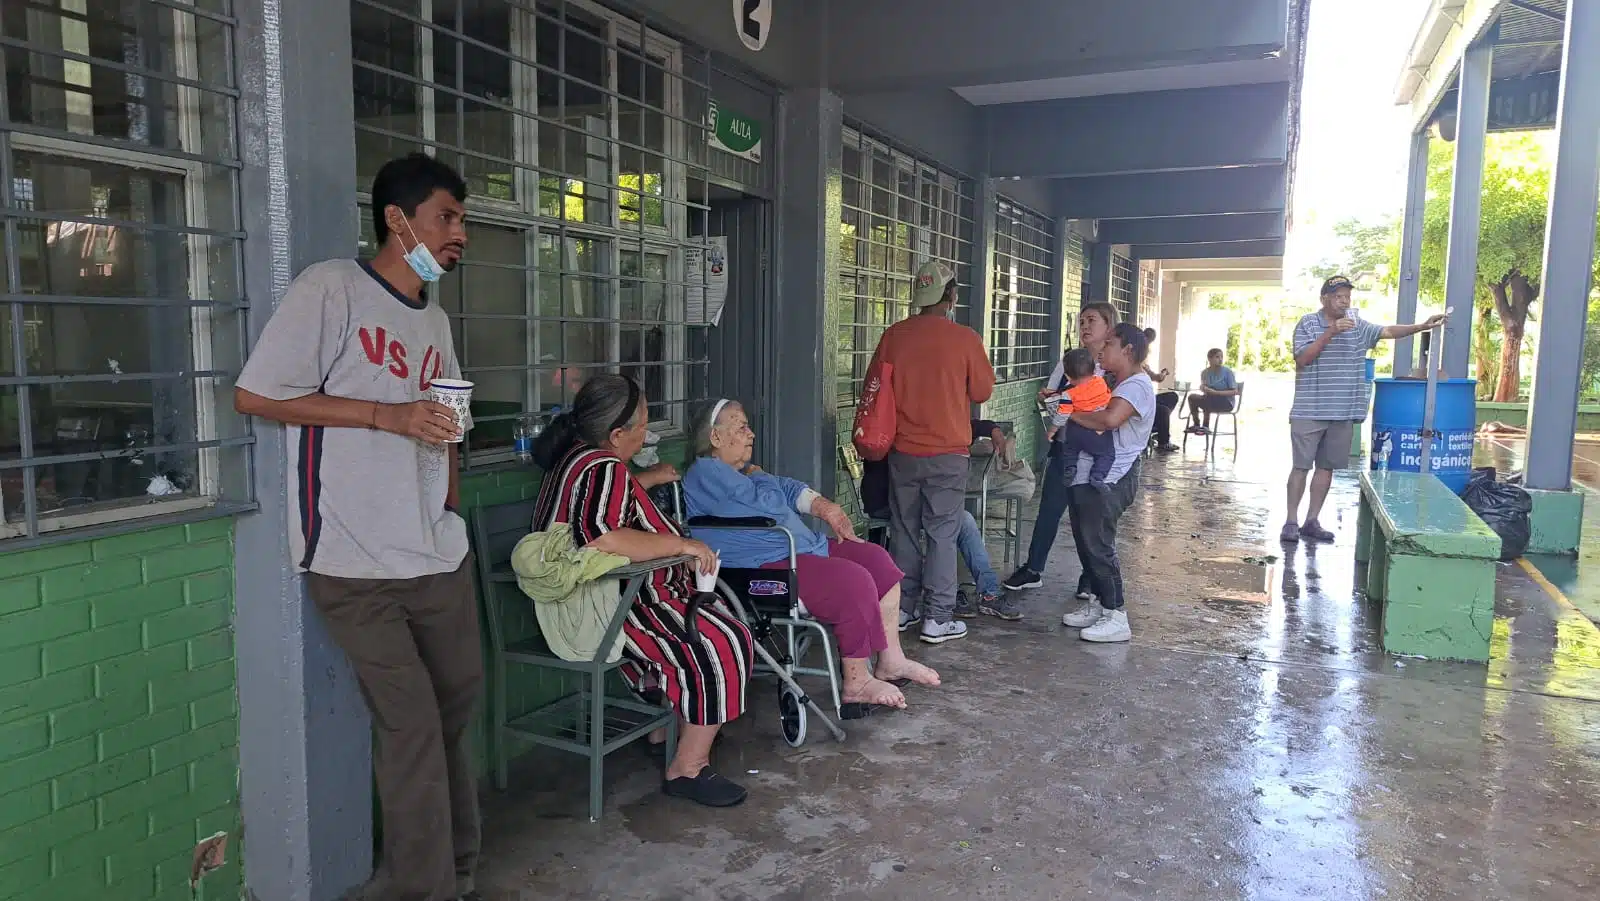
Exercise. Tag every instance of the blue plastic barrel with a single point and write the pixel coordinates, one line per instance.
(1397, 427)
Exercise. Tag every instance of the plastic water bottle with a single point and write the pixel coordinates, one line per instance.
(527, 429)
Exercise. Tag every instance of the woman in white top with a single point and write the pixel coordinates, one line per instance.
(1094, 513)
(1095, 322)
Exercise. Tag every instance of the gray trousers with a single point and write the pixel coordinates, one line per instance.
(925, 499)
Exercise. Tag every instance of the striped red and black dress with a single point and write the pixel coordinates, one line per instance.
(703, 677)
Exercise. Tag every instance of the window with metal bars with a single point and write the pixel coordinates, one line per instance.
(1148, 303)
(121, 321)
(1019, 317)
(899, 212)
(1122, 287)
(1075, 276)
(583, 142)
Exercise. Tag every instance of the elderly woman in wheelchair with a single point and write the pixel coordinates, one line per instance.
(844, 582)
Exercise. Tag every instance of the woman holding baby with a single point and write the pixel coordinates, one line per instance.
(1095, 509)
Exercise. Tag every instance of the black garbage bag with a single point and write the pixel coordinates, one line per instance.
(1503, 507)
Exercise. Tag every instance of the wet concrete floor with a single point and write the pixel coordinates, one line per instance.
(1577, 579)
(1251, 742)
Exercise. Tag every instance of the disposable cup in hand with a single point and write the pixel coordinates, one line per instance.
(455, 394)
(707, 582)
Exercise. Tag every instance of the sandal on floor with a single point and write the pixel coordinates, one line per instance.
(857, 710)
(708, 788)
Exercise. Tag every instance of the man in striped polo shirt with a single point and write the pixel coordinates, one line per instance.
(1330, 397)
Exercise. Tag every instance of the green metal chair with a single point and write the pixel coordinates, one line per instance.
(850, 463)
(583, 721)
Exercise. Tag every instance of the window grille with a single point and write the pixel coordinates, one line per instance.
(121, 325)
(1019, 319)
(899, 212)
(582, 136)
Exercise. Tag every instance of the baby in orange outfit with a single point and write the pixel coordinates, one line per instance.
(1085, 393)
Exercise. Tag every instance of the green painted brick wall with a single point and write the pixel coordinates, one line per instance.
(1014, 402)
(1017, 403)
(119, 725)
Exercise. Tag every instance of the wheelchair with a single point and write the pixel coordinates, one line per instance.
(768, 602)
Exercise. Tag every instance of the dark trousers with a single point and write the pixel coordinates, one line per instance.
(417, 654)
(1161, 428)
(1094, 516)
(1052, 504)
(1076, 439)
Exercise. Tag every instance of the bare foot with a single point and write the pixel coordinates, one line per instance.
(874, 691)
(907, 669)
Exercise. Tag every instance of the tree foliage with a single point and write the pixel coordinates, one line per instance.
(1516, 190)
(1366, 252)
(1257, 339)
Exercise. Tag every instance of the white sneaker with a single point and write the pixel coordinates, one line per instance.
(1113, 626)
(1086, 615)
(907, 620)
(934, 632)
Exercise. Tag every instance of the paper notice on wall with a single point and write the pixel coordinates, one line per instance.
(705, 271)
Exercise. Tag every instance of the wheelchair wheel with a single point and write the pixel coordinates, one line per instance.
(792, 713)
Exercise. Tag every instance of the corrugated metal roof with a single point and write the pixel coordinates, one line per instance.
(1529, 39)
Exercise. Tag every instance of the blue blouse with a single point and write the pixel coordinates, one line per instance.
(713, 488)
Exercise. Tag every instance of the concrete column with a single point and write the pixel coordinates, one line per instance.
(1466, 204)
(1058, 287)
(1411, 246)
(978, 298)
(1099, 273)
(1192, 351)
(1568, 255)
(810, 163)
(304, 744)
(1167, 332)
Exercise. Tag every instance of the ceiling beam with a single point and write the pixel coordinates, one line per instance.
(1193, 229)
(1250, 278)
(894, 45)
(1272, 248)
(1161, 131)
(1231, 264)
(1260, 189)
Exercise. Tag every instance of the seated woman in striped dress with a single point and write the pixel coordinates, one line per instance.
(702, 672)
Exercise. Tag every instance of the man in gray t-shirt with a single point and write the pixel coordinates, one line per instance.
(1330, 396)
(345, 364)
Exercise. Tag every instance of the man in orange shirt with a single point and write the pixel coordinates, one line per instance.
(940, 371)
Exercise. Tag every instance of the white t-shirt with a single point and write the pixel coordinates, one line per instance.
(364, 504)
(1132, 436)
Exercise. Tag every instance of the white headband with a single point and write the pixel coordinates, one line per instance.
(717, 410)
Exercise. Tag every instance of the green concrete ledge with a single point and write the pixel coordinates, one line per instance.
(1516, 414)
(1557, 522)
(1430, 563)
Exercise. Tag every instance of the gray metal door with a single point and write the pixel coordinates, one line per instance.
(741, 348)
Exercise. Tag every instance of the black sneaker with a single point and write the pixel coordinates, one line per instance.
(964, 606)
(1023, 578)
(709, 788)
(1004, 606)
